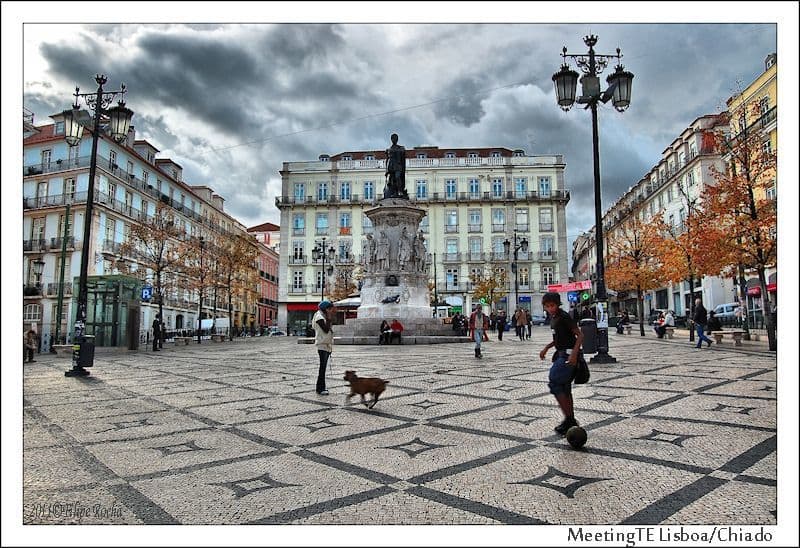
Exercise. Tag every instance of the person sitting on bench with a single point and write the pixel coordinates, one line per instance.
(397, 331)
(713, 323)
(385, 332)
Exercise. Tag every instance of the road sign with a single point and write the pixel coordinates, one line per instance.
(524, 298)
(147, 293)
(572, 296)
(483, 300)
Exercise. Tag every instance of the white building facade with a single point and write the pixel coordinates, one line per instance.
(681, 174)
(129, 183)
(475, 199)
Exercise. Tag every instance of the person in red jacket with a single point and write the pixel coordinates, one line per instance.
(397, 331)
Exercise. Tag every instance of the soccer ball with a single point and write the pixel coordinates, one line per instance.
(576, 436)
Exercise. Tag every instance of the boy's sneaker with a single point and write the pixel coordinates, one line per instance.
(323, 392)
(568, 423)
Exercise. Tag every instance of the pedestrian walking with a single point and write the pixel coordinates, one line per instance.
(30, 341)
(520, 322)
(501, 324)
(567, 340)
(478, 323)
(529, 323)
(156, 331)
(700, 320)
(323, 329)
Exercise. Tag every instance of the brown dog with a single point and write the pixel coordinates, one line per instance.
(366, 385)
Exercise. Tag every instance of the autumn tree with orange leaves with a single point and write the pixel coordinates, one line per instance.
(632, 260)
(491, 286)
(688, 251)
(156, 248)
(739, 206)
(235, 257)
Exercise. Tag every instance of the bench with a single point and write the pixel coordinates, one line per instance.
(182, 340)
(218, 338)
(737, 335)
(628, 328)
(669, 331)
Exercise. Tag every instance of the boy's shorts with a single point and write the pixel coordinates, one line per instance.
(561, 375)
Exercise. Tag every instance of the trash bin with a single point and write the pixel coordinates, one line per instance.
(589, 328)
(83, 352)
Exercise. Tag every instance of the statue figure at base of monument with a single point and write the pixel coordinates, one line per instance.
(395, 170)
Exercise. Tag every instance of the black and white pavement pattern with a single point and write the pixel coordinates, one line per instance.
(234, 433)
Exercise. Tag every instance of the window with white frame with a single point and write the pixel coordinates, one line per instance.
(449, 154)
(322, 222)
(497, 246)
(322, 191)
(524, 276)
(547, 275)
(772, 191)
(451, 278)
(347, 158)
(298, 249)
(69, 188)
(299, 192)
(297, 279)
(422, 189)
(37, 228)
(495, 154)
(521, 218)
(320, 277)
(520, 187)
(763, 104)
(544, 187)
(344, 190)
(474, 188)
(344, 219)
(498, 219)
(669, 193)
(59, 129)
(451, 219)
(369, 157)
(546, 245)
(450, 188)
(690, 178)
(681, 159)
(32, 313)
(130, 167)
(476, 273)
(766, 146)
(474, 219)
(692, 149)
(451, 246)
(369, 190)
(475, 245)
(46, 156)
(497, 188)
(546, 219)
(472, 155)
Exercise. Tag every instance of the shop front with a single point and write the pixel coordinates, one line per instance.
(299, 316)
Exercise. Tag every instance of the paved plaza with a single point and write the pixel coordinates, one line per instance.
(233, 433)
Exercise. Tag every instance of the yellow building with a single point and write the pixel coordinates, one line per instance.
(755, 109)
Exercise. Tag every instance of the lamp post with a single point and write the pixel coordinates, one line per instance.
(119, 122)
(38, 268)
(619, 89)
(523, 245)
(320, 252)
(202, 243)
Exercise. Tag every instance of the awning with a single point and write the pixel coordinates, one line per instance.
(301, 307)
(349, 302)
(772, 283)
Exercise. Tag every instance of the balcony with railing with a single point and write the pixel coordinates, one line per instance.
(32, 290)
(522, 227)
(545, 227)
(56, 243)
(299, 231)
(548, 256)
(474, 228)
(298, 259)
(52, 289)
(451, 229)
(497, 256)
(344, 230)
(34, 245)
(498, 227)
(298, 289)
(36, 202)
(110, 246)
(476, 257)
(451, 257)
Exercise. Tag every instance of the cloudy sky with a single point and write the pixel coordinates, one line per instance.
(230, 102)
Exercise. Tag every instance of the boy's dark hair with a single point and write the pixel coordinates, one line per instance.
(551, 297)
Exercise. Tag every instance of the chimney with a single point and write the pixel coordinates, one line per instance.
(131, 138)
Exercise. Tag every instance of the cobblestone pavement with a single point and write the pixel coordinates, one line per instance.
(233, 433)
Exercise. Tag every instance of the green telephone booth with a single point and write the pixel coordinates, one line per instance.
(112, 310)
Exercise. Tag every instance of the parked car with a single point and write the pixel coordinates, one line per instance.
(539, 319)
(276, 333)
(727, 310)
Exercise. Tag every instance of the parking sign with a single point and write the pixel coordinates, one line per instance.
(147, 293)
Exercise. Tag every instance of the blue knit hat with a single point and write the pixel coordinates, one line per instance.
(326, 304)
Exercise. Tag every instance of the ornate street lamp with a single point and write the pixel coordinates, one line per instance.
(202, 243)
(74, 120)
(523, 245)
(320, 252)
(38, 268)
(619, 91)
